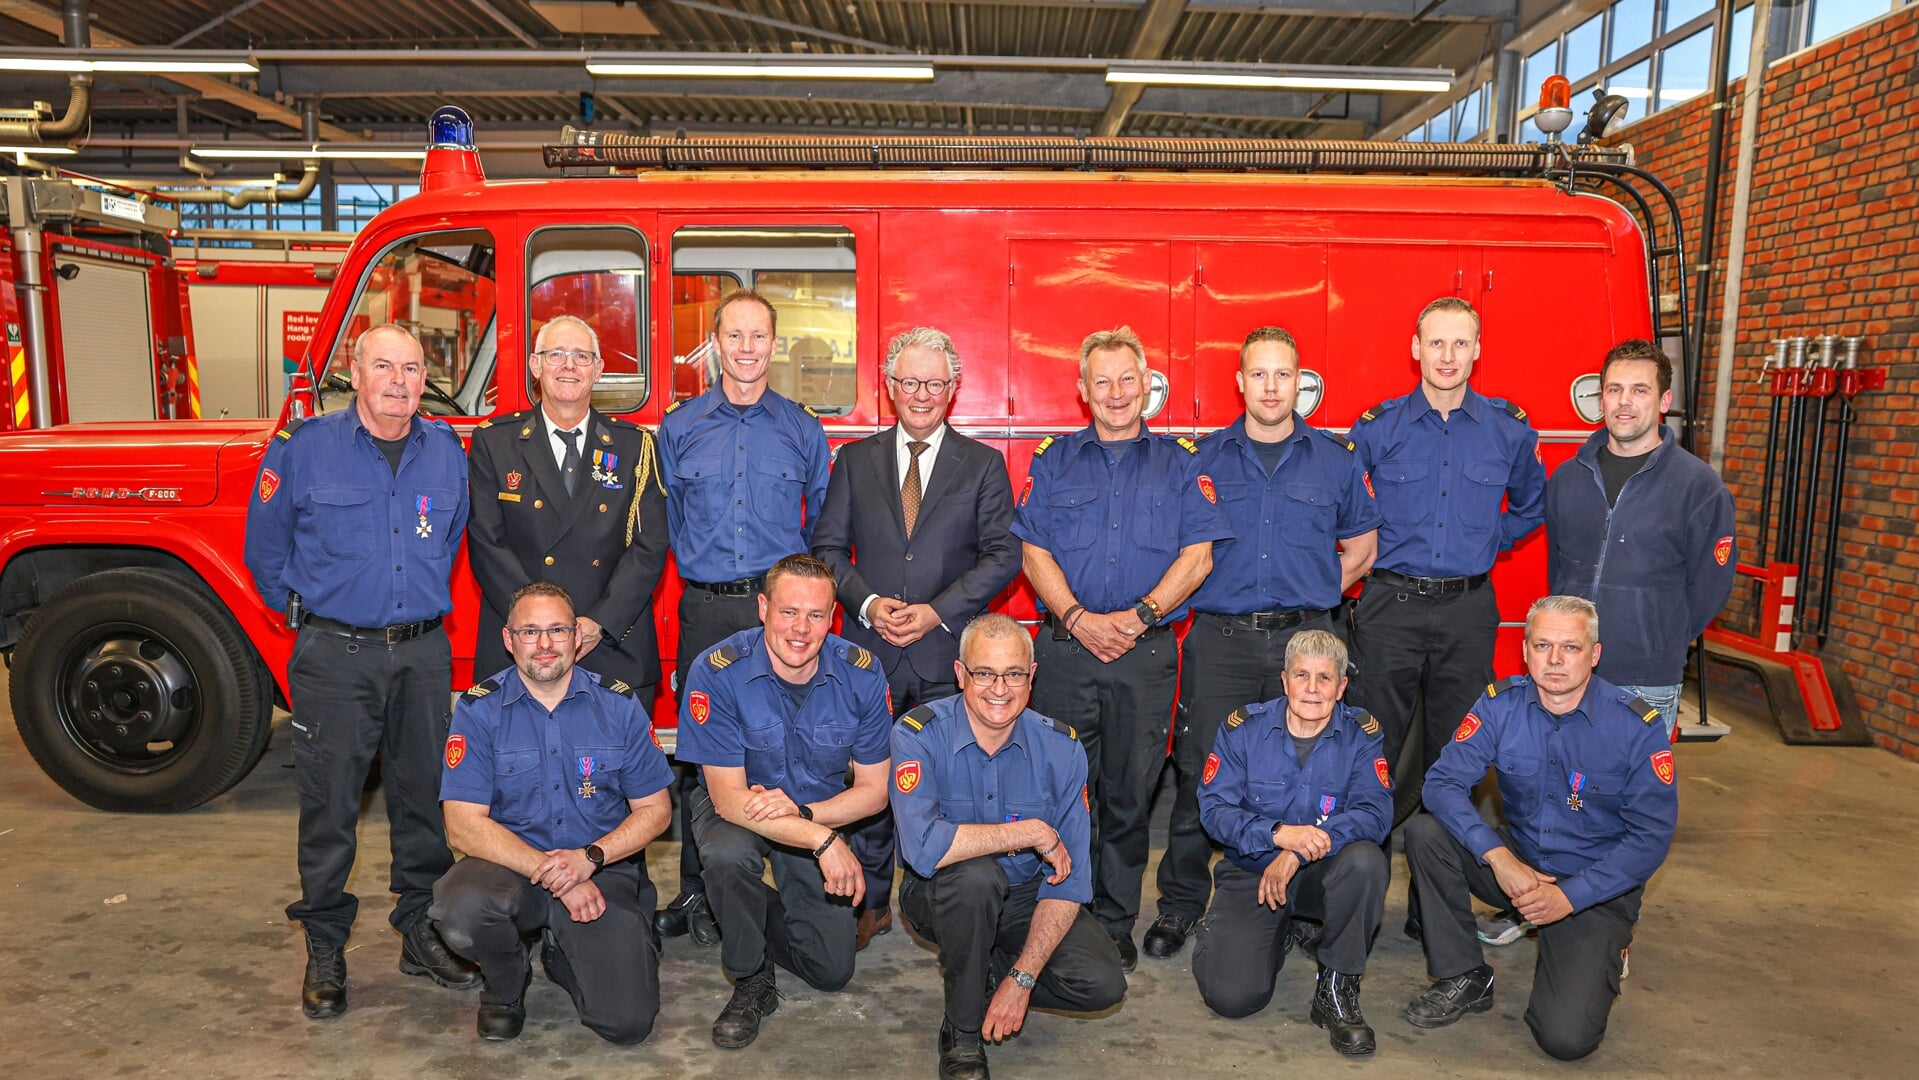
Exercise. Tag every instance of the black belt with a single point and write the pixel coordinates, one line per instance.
(1060, 633)
(1267, 620)
(746, 586)
(385, 635)
(1428, 586)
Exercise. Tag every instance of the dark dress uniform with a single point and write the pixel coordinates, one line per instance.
(1589, 799)
(735, 712)
(372, 670)
(557, 780)
(744, 488)
(1115, 520)
(1252, 783)
(605, 543)
(1426, 624)
(1278, 574)
(979, 911)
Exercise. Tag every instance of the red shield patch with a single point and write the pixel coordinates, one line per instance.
(657, 744)
(1384, 772)
(1367, 479)
(1085, 799)
(889, 701)
(270, 483)
(513, 481)
(1467, 728)
(906, 776)
(1722, 550)
(1206, 488)
(1211, 770)
(455, 750)
(1026, 492)
(1662, 766)
(697, 704)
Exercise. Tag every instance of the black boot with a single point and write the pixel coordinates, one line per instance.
(323, 991)
(423, 953)
(962, 1055)
(1449, 999)
(1336, 1008)
(754, 998)
(1128, 952)
(500, 1018)
(1168, 935)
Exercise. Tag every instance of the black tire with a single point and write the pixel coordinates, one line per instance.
(136, 692)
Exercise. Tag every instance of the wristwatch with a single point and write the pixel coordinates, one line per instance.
(595, 856)
(806, 811)
(1144, 609)
(1024, 981)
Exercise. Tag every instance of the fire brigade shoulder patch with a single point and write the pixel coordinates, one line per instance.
(1467, 728)
(269, 483)
(657, 744)
(1207, 489)
(858, 657)
(699, 706)
(1236, 718)
(719, 658)
(1026, 492)
(1641, 709)
(619, 687)
(1366, 723)
(1722, 550)
(917, 717)
(1662, 766)
(1512, 410)
(1190, 446)
(480, 690)
(1211, 770)
(1367, 479)
(455, 750)
(906, 776)
(1384, 772)
(1043, 444)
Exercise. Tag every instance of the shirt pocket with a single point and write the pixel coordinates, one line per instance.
(609, 766)
(1310, 511)
(1485, 486)
(778, 482)
(1075, 517)
(1605, 790)
(439, 515)
(1400, 487)
(703, 483)
(828, 750)
(347, 520)
(1026, 809)
(1155, 521)
(1520, 783)
(516, 782)
(1269, 798)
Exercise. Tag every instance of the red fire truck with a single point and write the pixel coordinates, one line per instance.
(145, 668)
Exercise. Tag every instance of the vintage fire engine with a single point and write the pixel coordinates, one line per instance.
(145, 668)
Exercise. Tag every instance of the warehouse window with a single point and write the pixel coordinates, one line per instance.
(599, 275)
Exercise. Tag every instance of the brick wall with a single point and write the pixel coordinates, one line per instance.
(1832, 247)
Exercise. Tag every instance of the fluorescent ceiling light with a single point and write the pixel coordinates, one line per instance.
(1237, 81)
(43, 63)
(161, 66)
(39, 151)
(756, 70)
(132, 62)
(337, 151)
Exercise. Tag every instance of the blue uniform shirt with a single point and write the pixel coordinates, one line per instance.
(744, 487)
(1252, 783)
(1116, 526)
(1609, 747)
(328, 517)
(942, 780)
(557, 779)
(1284, 552)
(1440, 482)
(735, 712)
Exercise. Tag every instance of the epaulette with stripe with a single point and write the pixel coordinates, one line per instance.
(719, 658)
(1495, 689)
(618, 687)
(1065, 729)
(1512, 410)
(809, 410)
(675, 405)
(1191, 446)
(1374, 412)
(1337, 439)
(858, 657)
(917, 717)
(293, 425)
(1236, 718)
(480, 690)
(1043, 444)
(1366, 723)
(1638, 704)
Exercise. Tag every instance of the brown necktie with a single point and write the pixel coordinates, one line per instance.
(910, 491)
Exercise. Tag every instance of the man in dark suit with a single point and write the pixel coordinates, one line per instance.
(574, 497)
(917, 528)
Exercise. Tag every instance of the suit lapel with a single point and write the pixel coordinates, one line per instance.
(536, 449)
(943, 470)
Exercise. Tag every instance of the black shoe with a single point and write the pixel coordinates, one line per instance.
(1128, 952)
(323, 991)
(1449, 999)
(700, 922)
(962, 1055)
(1413, 930)
(423, 953)
(1336, 1008)
(1304, 935)
(499, 1019)
(670, 920)
(754, 998)
(1167, 936)
(550, 960)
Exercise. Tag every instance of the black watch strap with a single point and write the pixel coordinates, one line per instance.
(1146, 613)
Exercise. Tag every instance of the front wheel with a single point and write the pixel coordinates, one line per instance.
(137, 692)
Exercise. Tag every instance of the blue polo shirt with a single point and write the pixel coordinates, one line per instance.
(942, 780)
(330, 520)
(735, 712)
(1440, 483)
(1115, 521)
(744, 487)
(1284, 551)
(559, 779)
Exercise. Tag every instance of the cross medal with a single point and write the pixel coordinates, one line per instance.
(1577, 780)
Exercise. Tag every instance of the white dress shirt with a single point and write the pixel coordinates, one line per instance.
(902, 459)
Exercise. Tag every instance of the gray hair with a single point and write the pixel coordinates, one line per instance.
(922, 337)
(539, 340)
(1118, 338)
(1565, 605)
(1317, 645)
(359, 343)
(993, 626)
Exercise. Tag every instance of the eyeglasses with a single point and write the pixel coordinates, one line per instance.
(935, 387)
(531, 634)
(569, 358)
(1013, 679)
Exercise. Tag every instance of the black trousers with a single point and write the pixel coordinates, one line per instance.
(872, 840)
(610, 966)
(1123, 711)
(980, 921)
(1409, 647)
(706, 619)
(352, 700)
(1577, 975)
(1221, 668)
(1242, 944)
(794, 923)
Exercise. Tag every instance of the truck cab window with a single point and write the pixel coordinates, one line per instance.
(808, 275)
(440, 286)
(597, 275)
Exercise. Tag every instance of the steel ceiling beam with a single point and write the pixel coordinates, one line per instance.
(1154, 28)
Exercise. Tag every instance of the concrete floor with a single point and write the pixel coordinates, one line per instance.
(1779, 939)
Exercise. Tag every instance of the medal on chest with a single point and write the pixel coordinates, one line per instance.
(1326, 805)
(426, 527)
(605, 464)
(1576, 781)
(587, 765)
